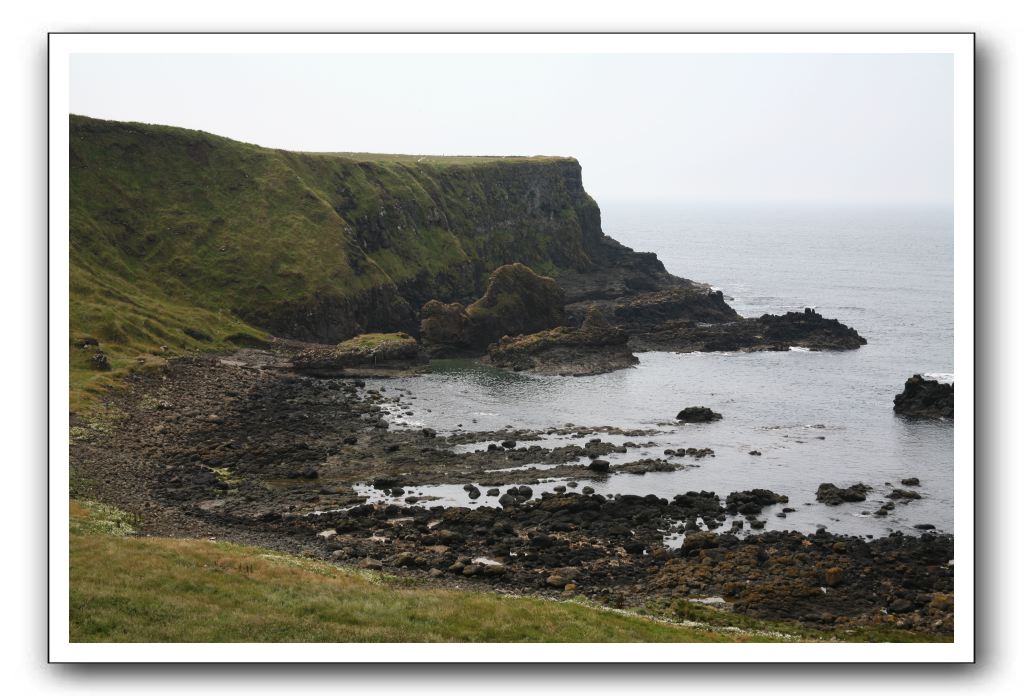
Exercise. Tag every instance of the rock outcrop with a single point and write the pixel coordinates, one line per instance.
(830, 494)
(806, 329)
(593, 348)
(697, 414)
(517, 301)
(362, 355)
(926, 398)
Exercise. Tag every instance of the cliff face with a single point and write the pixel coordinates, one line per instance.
(177, 234)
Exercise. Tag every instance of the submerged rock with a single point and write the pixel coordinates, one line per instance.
(926, 398)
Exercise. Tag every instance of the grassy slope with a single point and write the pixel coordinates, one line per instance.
(131, 589)
(126, 589)
(174, 229)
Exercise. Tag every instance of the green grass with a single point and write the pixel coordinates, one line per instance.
(374, 340)
(132, 589)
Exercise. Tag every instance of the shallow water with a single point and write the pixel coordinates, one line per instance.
(815, 417)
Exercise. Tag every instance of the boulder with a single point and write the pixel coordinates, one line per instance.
(926, 398)
(830, 494)
(697, 414)
(752, 502)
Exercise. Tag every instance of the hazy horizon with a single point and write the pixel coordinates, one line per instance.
(693, 129)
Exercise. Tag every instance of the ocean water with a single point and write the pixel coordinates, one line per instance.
(815, 416)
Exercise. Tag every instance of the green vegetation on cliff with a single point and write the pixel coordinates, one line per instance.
(181, 240)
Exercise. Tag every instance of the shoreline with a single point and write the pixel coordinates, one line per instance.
(211, 447)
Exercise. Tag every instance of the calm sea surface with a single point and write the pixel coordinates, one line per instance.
(816, 417)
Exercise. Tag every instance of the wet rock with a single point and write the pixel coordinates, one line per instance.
(593, 348)
(752, 502)
(914, 481)
(494, 491)
(601, 466)
(902, 494)
(806, 329)
(697, 414)
(926, 398)
(755, 453)
(830, 494)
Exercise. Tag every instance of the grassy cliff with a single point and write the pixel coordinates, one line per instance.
(183, 240)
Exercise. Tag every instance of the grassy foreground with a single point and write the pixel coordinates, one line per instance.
(134, 589)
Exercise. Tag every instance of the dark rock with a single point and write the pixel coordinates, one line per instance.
(926, 398)
(806, 329)
(752, 502)
(601, 466)
(911, 481)
(900, 606)
(830, 494)
(593, 348)
(901, 494)
(378, 351)
(697, 414)
(100, 361)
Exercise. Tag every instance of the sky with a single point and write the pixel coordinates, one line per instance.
(858, 129)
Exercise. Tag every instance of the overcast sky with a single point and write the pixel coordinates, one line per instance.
(861, 129)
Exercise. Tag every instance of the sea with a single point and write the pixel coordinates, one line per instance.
(815, 417)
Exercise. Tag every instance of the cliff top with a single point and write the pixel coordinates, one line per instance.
(90, 123)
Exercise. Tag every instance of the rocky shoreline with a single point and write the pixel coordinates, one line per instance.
(241, 447)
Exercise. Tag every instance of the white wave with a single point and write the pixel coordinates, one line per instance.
(943, 377)
(798, 349)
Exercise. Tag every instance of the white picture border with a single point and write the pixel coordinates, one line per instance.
(63, 46)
